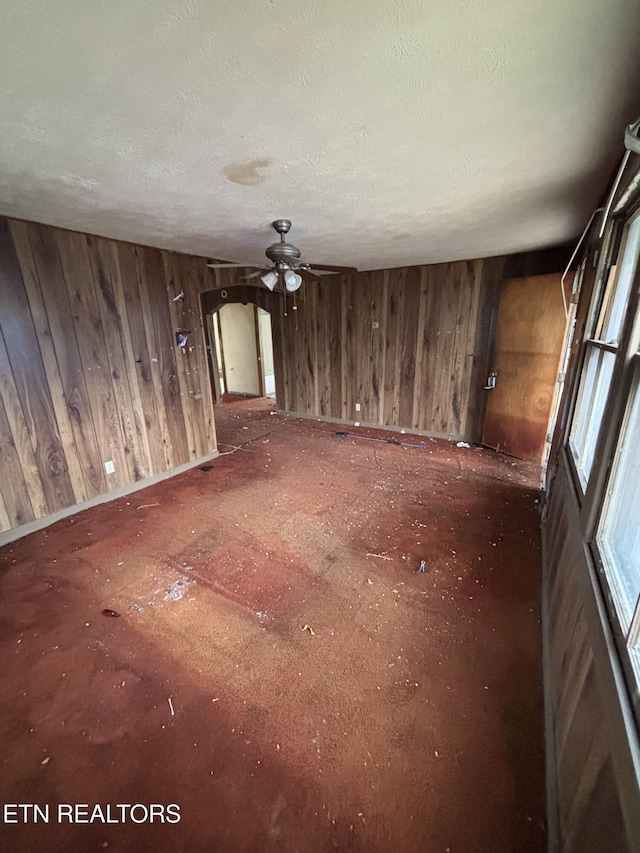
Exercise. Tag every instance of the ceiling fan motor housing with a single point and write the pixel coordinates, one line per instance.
(283, 252)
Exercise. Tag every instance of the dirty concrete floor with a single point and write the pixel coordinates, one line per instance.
(279, 669)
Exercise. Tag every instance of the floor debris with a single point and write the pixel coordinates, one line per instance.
(177, 590)
(309, 629)
(108, 612)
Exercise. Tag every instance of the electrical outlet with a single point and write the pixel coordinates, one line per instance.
(357, 407)
(109, 467)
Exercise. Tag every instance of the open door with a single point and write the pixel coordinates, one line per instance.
(529, 344)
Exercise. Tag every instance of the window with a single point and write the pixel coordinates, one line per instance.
(603, 440)
(601, 350)
(618, 536)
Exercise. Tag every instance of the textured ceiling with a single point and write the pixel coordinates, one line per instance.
(392, 132)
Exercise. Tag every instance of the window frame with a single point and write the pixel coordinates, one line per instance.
(625, 383)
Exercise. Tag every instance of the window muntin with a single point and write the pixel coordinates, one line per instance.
(600, 355)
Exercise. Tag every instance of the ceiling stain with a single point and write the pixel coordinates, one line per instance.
(248, 173)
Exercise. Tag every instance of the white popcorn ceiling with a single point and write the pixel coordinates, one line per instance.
(392, 132)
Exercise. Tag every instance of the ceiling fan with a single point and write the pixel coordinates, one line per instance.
(286, 267)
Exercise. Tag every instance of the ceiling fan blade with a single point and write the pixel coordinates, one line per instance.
(230, 266)
(251, 275)
(329, 268)
(308, 275)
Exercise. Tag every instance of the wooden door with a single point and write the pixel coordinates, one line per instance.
(529, 341)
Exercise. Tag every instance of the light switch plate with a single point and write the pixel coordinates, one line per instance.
(109, 467)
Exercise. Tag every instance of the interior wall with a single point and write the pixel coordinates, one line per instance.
(594, 745)
(90, 371)
(597, 803)
(412, 346)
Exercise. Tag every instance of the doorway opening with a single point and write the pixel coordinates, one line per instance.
(241, 352)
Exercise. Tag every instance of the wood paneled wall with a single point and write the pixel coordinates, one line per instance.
(411, 345)
(597, 797)
(90, 370)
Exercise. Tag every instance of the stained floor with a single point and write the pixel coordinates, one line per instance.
(279, 669)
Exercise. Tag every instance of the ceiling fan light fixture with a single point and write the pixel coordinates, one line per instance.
(292, 280)
(270, 279)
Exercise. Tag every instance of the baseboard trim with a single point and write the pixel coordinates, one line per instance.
(15, 533)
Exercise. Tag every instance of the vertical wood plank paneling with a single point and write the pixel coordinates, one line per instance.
(408, 345)
(391, 361)
(16, 434)
(181, 320)
(203, 392)
(362, 348)
(303, 323)
(467, 388)
(86, 320)
(162, 336)
(30, 379)
(597, 800)
(335, 352)
(384, 313)
(50, 309)
(295, 388)
(434, 283)
(421, 351)
(314, 349)
(139, 359)
(445, 351)
(278, 363)
(142, 466)
(102, 257)
(191, 281)
(16, 499)
(490, 286)
(376, 350)
(418, 369)
(323, 348)
(458, 364)
(6, 522)
(346, 366)
(88, 373)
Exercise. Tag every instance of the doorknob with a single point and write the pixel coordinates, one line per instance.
(491, 382)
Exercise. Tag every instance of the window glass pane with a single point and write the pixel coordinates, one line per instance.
(587, 384)
(594, 388)
(619, 537)
(616, 307)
